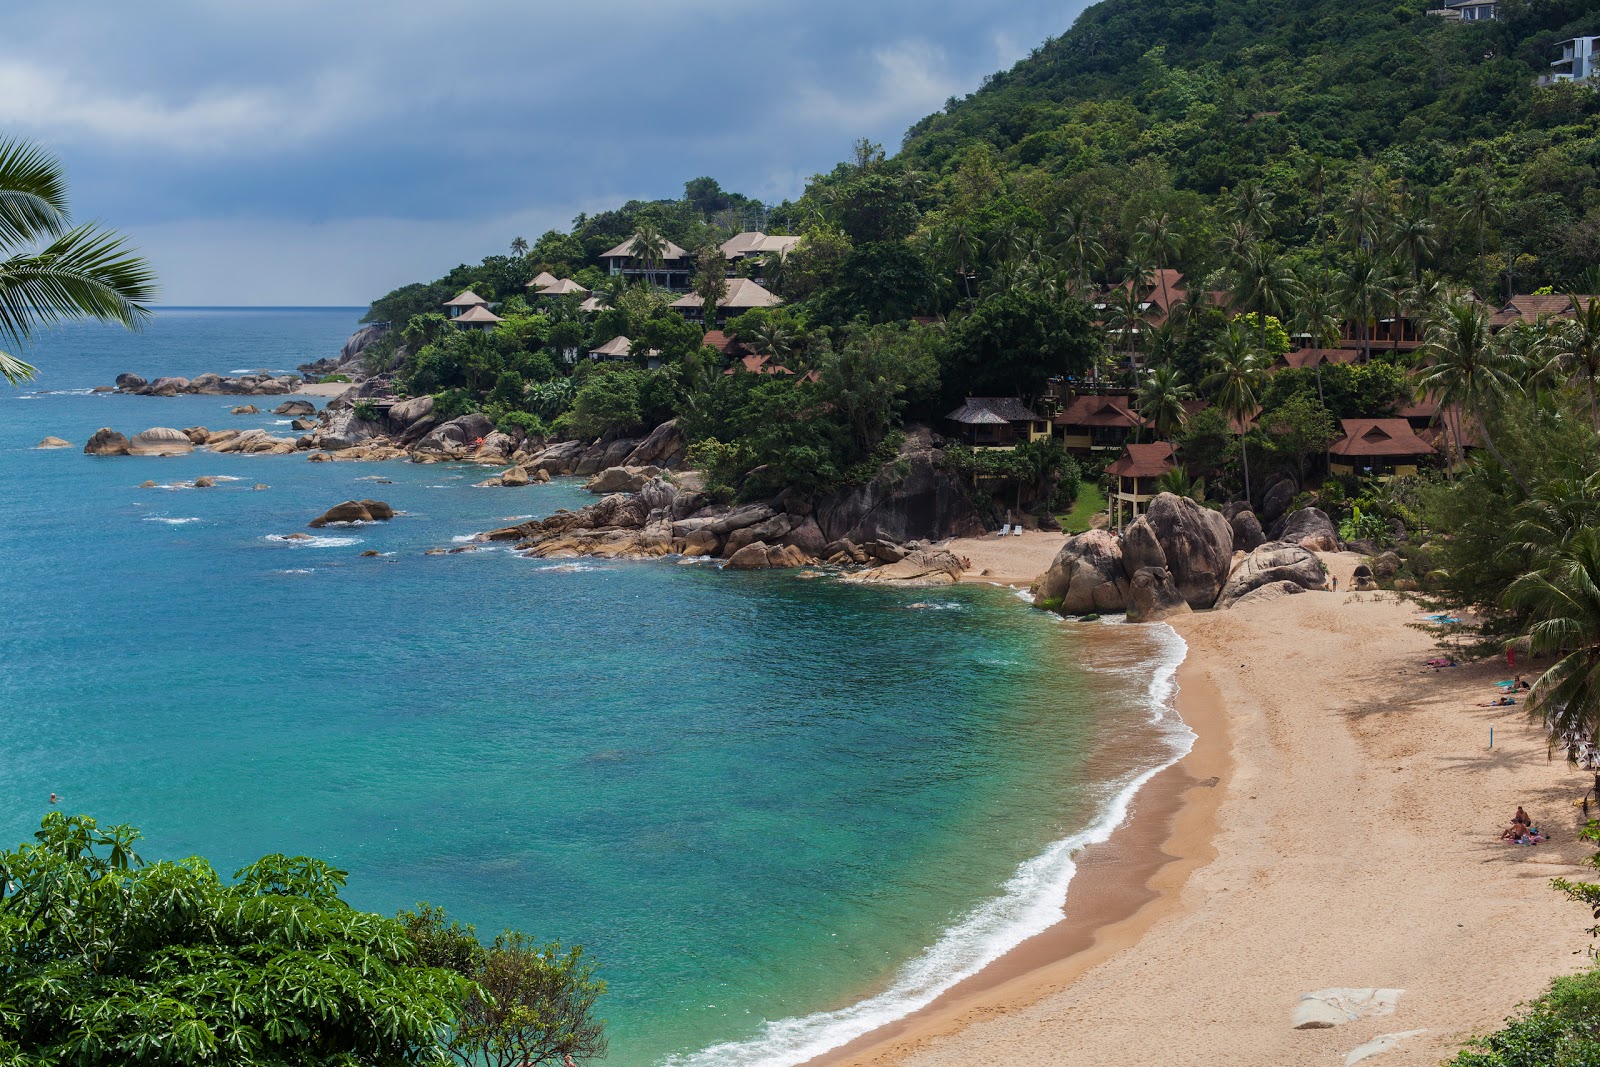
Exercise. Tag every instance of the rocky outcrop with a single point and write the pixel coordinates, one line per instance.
(456, 438)
(1269, 592)
(130, 383)
(344, 429)
(760, 556)
(911, 497)
(1385, 565)
(245, 409)
(160, 441)
(304, 425)
(1153, 596)
(622, 479)
(1198, 544)
(250, 442)
(514, 477)
(53, 442)
(1310, 528)
(106, 442)
(1087, 576)
(662, 447)
(1247, 533)
(1275, 561)
(918, 567)
(261, 384)
(354, 511)
(295, 407)
(1141, 549)
(1276, 500)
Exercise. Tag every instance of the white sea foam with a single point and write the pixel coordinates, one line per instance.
(300, 570)
(1029, 904)
(570, 567)
(314, 542)
(464, 539)
(171, 522)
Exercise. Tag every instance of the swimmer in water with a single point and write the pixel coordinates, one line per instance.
(52, 798)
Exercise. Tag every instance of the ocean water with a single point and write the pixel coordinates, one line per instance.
(777, 811)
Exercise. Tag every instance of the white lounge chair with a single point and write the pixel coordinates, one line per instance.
(1017, 530)
(1005, 531)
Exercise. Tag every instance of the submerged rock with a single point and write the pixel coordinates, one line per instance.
(354, 511)
(245, 409)
(53, 442)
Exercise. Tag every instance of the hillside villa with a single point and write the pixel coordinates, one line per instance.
(1096, 421)
(997, 422)
(1138, 473)
(743, 295)
(1378, 448)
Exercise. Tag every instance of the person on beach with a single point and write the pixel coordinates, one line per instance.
(1335, 583)
(1521, 817)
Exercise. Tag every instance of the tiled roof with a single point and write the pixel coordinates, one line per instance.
(1143, 461)
(615, 348)
(1531, 307)
(725, 343)
(742, 293)
(754, 243)
(625, 251)
(1306, 358)
(1379, 437)
(466, 299)
(1095, 410)
(542, 279)
(992, 410)
(477, 313)
(759, 365)
(563, 287)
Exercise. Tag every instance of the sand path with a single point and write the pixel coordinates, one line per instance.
(1355, 845)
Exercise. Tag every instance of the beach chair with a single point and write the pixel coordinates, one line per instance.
(1005, 531)
(1016, 531)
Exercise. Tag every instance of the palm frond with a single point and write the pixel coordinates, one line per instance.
(33, 194)
(88, 271)
(14, 370)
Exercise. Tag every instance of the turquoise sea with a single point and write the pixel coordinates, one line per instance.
(778, 811)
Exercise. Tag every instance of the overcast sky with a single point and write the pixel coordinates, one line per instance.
(294, 152)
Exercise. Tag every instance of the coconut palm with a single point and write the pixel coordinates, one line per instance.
(519, 246)
(1158, 240)
(1234, 383)
(711, 280)
(53, 271)
(1081, 247)
(962, 244)
(1237, 241)
(1543, 526)
(1464, 366)
(1565, 610)
(1161, 399)
(1318, 319)
(1479, 207)
(1362, 215)
(1364, 291)
(1252, 205)
(1414, 237)
(1574, 349)
(1266, 286)
(773, 338)
(1128, 317)
(649, 247)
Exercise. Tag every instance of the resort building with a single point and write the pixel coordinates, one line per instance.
(1138, 472)
(561, 287)
(1534, 308)
(1378, 448)
(1468, 10)
(754, 244)
(617, 348)
(1311, 358)
(464, 301)
(743, 295)
(997, 422)
(542, 279)
(725, 344)
(1096, 422)
(1576, 63)
(1384, 335)
(752, 364)
(593, 304)
(673, 271)
(478, 317)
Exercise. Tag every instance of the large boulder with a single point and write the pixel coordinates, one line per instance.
(160, 441)
(1275, 561)
(407, 414)
(1140, 549)
(514, 478)
(621, 479)
(53, 442)
(250, 442)
(769, 531)
(663, 447)
(1267, 593)
(1087, 576)
(739, 518)
(456, 437)
(1276, 500)
(1153, 596)
(1310, 528)
(1247, 533)
(106, 442)
(344, 429)
(295, 407)
(166, 387)
(208, 384)
(130, 383)
(354, 511)
(245, 409)
(1198, 544)
(911, 498)
(916, 568)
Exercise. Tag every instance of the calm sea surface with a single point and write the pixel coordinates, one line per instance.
(777, 811)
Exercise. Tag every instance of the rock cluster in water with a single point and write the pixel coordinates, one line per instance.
(1181, 557)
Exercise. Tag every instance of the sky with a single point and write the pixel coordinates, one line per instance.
(322, 153)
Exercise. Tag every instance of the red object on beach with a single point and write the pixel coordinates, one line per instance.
(1511, 656)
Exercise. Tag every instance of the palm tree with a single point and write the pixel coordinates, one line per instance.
(1078, 241)
(1234, 383)
(1414, 237)
(1319, 319)
(1252, 205)
(1266, 286)
(1158, 240)
(1465, 367)
(1480, 206)
(1363, 293)
(1543, 526)
(53, 271)
(774, 266)
(519, 246)
(1575, 349)
(1363, 214)
(773, 338)
(649, 247)
(1161, 398)
(963, 245)
(1565, 609)
(1127, 318)
(1237, 241)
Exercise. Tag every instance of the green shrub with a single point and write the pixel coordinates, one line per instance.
(333, 379)
(453, 403)
(531, 425)
(365, 410)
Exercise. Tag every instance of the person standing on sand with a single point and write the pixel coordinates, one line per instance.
(1335, 579)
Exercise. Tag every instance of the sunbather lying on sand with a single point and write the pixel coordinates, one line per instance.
(1437, 663)
(1503, 702)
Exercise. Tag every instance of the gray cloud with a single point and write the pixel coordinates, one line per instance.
(321, 153)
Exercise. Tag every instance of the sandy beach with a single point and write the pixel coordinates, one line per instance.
(1336, 825)
(323, 389)
(1008, 560)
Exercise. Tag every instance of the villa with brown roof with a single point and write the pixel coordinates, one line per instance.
(1380, 448)
(752, 364)
(725, 344)
(562, 287)
(477, 317)
(1534, 308)
(754, 243)
(674, 271)
(464, 301)
(542, 279)
(1096, 422)
(1138, 471)
(997, 422)
(743, 295)
(1311, 358)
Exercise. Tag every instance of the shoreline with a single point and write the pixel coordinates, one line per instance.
(1122, 887)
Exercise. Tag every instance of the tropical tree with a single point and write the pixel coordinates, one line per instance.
(1361, 218)
(52, 271)
(519, 246)
(1266, 286)
(1574, 349)
(1083, 250)
(1158, 239)
(649, 247)
(1465, 367)
(1128, 318)
(1234, 384)
(1318, 319)
(1364, 291)
(1414, 237)
(1565, 610)
(1478, 207)
(1252, 205)
(1161, 401)
(711, 280)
